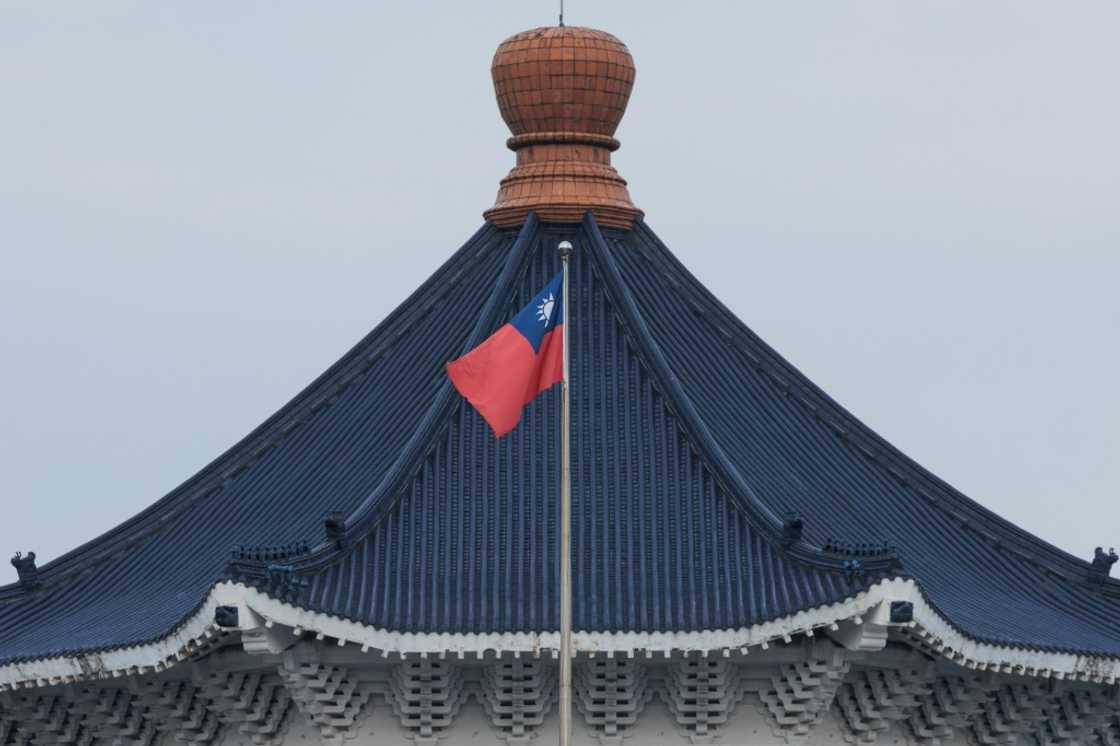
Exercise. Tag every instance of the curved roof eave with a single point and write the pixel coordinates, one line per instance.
(1081, 605)
(258, 610)
(239, 457)
(971, 515)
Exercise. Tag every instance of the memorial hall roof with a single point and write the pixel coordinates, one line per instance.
(714, 486)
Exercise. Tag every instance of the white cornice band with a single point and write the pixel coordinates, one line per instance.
(928, 630)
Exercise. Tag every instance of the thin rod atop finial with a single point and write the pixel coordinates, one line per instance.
(561, 12)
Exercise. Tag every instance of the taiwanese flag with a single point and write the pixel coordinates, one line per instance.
(517, 362)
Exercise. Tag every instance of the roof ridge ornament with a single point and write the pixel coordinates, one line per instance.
(792, 528)
(269, 553)
(334, 526)
(284, 583)
(562, 90)
(1102, 564)
(858, 548)
(271, 568)
(26, 570)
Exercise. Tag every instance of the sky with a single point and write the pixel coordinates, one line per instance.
(203, 205)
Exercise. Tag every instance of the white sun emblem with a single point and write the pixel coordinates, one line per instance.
(544, 310)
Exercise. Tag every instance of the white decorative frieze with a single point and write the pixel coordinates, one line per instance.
(949, 708)
(610, 693)
(801, 693)
(870, 701)
(426, 695)
(327, 695)
(702, 694)
(517, 695)
(197, 635)
(255, 703)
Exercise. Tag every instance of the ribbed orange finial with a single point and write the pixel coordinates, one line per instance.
(563, 90)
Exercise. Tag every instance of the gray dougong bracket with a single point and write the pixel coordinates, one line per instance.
(116, 716)
(611, 694)
(326, 694)
(870, 701)
(702, 695)
(8, 732)
(177, 707)
(517, 695)
(426, 695)
(255, 703)
(8, 728)
(801, 693)
(1075, 716)
(1109, 733)
(43, 720)
(1013, 712)
(949, 708)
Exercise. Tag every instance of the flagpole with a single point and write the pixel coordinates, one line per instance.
(565, 249)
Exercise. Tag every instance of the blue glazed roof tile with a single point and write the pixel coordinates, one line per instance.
(690, 438)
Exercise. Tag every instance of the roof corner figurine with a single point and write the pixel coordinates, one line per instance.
(1103, 562)
(26, 569)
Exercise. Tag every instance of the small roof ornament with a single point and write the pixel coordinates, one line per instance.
(1103, 562)
(26, 569)
(334, 526)
(792, 528)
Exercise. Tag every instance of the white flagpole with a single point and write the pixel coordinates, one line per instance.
(565, 249)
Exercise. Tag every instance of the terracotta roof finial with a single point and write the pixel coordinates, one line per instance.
(562, 90)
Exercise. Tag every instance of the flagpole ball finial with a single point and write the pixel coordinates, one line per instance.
(565, 249)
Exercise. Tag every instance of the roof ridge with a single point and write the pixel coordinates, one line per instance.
(378, 504)
(770, 525)
(875, 448)
(239, 458)
(381, 501)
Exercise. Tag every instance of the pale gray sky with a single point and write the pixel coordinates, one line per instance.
(202, 205)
